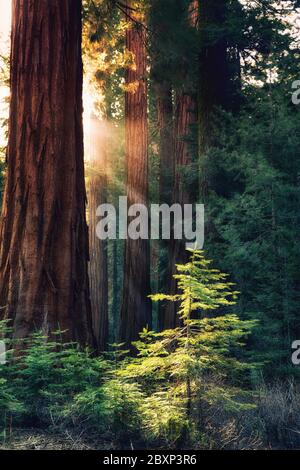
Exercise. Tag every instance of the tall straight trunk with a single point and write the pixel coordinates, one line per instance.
(97, 195)
(162, 77)
(186, 116)
(164, 103)
(220, 81)
(214, 76)
(136, 307)
(163, 92)
(116, 286)
(43, 232)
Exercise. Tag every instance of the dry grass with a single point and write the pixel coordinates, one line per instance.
(279, 409)
(37, 439)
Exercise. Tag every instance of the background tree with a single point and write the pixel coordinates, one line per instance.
(162, 16)
(136, 307)
(185, 152)
(104, 60)
(97, 195)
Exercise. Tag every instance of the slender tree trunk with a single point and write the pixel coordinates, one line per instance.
(220, 80)
(214, 75)
(136, 307)
(186, 116)
(97, 194)
(164, 102)
(43, 233)
(116, 289)
(163, 91)
(184, 193)
(162, 77)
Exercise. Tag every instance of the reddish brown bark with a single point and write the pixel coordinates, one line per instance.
(43, 233)
(136, 307)
(97, 194)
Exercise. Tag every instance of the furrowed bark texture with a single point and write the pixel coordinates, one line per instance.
(44, 240)
(136, 307)
(97, 194)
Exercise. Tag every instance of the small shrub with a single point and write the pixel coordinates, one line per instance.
(112, 410)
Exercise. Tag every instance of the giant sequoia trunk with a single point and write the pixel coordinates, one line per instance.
(44, 240)
(136, 307)
(186, 116)
(98, 272)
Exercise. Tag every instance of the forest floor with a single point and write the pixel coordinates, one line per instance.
(38, 439)
(41, 439)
